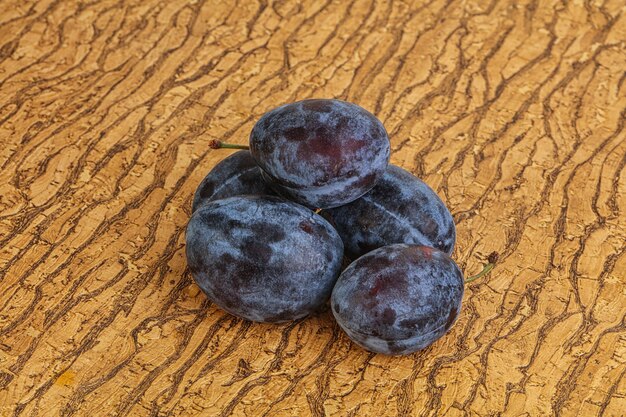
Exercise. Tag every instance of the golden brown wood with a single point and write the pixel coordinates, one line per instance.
(514, 111)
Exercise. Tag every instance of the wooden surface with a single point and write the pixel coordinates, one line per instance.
(513, 111)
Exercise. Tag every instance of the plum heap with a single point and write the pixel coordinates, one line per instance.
(259, 248)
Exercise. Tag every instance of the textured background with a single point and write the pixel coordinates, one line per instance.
(513, 111)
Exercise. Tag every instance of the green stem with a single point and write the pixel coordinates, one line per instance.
(492, 259)
(485, 271)
(217, 144)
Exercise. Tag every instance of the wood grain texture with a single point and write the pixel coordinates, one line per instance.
(514, 112)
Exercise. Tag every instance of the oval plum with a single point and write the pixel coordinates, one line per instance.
(321, 153)
(237, 174)
(398, 299)
(263, 258)
(399, 209)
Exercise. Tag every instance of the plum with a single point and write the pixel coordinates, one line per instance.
(399, 298)
(237, 174)
(321, 153)
(399, 209)
(263, 258)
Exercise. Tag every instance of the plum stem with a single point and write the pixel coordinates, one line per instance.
(218, 144)
(492, 259)
(318, 210)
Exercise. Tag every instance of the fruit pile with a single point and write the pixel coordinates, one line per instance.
(271, 227)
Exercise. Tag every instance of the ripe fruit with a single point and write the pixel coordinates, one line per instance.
(263, 258)
(321, 153)
(399, 209)
(236, 175)
(398, 299)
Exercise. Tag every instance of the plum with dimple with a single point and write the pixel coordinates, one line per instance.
(263, 258)
(321, 153)
(236, 175)
(399, 209)
(399, 298)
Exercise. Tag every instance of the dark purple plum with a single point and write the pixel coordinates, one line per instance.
(399, 209)
(399, 298)
(321, 152)
(236, 175)
(263, 258)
